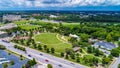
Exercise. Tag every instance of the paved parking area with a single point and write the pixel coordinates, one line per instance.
(18, 62)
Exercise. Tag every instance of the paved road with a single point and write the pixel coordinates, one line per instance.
(116, 63)
(55, 61)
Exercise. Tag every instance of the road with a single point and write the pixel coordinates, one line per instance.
(116, 63)
(55, 61)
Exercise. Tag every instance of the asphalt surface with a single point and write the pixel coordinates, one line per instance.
(116, 63)
(55, 61)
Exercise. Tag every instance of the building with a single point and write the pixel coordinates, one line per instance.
(3, 34)
(33, 19)
(8, 26)
(76, 49)
(91, 40)
(104, 45)
(11, 17)
(53, 16)
(4, 60)
(74, 36)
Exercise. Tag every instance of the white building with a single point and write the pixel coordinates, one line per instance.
(53, 16)
(11, 17)
(75, 36)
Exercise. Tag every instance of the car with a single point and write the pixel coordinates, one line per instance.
(72, 63)
(60, 65)
(41, 54)
(6, 41)
(47, 60)
(29, 55)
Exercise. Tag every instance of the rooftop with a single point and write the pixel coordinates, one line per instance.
(106, 45)
(2, 32)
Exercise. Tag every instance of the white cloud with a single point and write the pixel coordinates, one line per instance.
(57, 3)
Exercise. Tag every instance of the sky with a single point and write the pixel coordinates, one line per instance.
(102, 5)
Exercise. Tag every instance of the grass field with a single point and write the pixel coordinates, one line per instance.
(70, 24)
(21, 22)
(28, 27)
(51, 40)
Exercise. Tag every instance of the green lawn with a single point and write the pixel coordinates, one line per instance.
(21, 22)
(28, 27)
(70, 24)
(51, 40)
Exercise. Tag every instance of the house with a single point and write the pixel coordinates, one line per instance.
(75, 36)
(3, 34)
(91, 40)
(76, 49)
(104, 45)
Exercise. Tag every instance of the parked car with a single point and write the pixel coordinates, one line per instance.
(29, 55)
(47, 60)
(6, 41)
(41, 54)
(60, 65)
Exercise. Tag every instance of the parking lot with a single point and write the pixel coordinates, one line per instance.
(18, 63)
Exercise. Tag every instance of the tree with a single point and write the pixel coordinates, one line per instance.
(81, 50)
(97, 52)
(84, 37)
(105, 60)
(72, 56)
(90, 49)
(21, 57)
(68, 51)
(119, 43)
(52, 50)
(45, 47)
(110, 56)
(109, 38)
(119, 66)
(62, 54)
(23, 66)
(78, 59)
(47, 50)
(115, 52)
(73, 40)
(39, 47)
(5, 65)
(9, 53)
(95, 60)
(15, 46)
(12, 62)
(49, 66)
(66, 56)
(34, 61)
(34, 45)
(2, 47)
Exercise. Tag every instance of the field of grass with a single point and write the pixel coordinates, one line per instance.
(51, 40)
(70, 24)
(28, 27)
(21, 22)
(1, 24)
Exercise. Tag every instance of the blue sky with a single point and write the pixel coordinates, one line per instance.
(60, 5)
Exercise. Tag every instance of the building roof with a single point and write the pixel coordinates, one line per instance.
(2, 32)
(74, 35)
(76, 48)
(106, 45)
